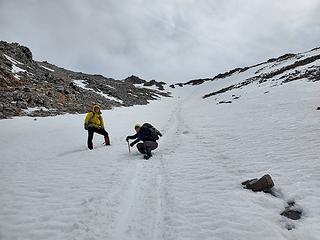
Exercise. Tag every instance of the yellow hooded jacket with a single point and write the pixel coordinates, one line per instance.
(94, 119)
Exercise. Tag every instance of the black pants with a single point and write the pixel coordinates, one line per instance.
(102, 131)
(147, 147)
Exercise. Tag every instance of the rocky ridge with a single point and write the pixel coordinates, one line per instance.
(33, 88)
(284, 69)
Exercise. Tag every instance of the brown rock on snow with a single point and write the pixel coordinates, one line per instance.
(264, 184)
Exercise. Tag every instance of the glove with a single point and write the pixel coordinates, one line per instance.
(127, 138)
(86, 126)
(131, 144)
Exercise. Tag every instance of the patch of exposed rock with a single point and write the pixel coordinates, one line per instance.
(138, 81)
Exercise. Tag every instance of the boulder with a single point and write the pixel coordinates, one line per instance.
(264, 184)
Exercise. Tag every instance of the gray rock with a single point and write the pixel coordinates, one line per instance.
(265, 183)
(227, 102)
(292, 212)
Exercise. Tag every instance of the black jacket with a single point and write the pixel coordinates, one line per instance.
(146, 133)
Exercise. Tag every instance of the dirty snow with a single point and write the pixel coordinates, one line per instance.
(15, 69)
(49, 69)
(153, 87)
(31, 110)
(12, 60)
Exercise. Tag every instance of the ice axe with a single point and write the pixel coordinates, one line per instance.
(128, 146)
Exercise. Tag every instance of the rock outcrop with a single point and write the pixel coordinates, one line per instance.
(152, 83)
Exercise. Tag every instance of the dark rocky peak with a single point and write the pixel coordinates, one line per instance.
(138, 81)
(16, 51)
(135, 80)
(159, 85)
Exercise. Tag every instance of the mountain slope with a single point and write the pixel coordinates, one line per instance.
(190, 188)
(29, 87)
(281, 70)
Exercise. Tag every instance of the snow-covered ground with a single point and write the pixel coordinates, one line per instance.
(52, 187)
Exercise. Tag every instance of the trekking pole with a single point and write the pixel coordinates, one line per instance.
(128, 146)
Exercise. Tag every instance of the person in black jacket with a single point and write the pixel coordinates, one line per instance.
(148, 135)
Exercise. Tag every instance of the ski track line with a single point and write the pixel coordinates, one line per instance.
(130, 205)
(143, 199)
(177, 130)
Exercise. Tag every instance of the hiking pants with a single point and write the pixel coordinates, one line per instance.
(101, 131)
(147, 147)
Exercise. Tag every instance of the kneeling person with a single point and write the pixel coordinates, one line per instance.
(148, 135)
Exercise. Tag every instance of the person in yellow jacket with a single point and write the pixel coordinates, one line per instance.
(94, 124)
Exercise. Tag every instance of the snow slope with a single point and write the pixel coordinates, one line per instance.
(52, 187)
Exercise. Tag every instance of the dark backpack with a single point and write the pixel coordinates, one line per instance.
(153, 132)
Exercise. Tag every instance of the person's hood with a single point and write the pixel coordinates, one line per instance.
(96, 106)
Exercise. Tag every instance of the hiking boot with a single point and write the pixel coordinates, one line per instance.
(148, 151)
(106, 141)
(90, 145)
(146, 157)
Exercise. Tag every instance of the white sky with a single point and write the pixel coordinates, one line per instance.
(168, 40)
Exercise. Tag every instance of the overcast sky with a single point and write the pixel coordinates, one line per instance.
(169, 40)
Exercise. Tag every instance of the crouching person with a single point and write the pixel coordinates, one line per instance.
(94, 124)
(148, 135)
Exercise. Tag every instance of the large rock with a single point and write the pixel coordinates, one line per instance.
(264, 184)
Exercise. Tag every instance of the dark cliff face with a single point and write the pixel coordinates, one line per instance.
(29, 87)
